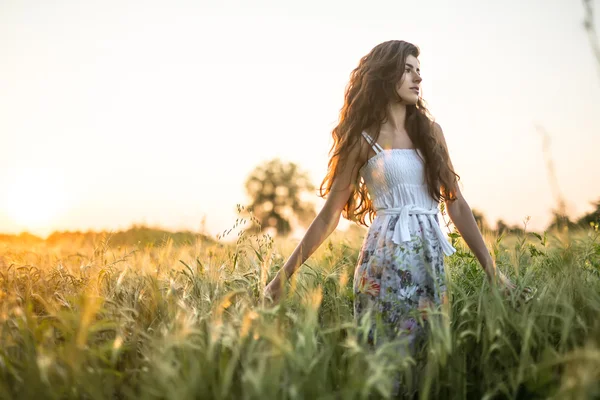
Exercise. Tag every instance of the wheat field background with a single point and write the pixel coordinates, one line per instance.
(89, 318)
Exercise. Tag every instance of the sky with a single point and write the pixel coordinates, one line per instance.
(114, 113)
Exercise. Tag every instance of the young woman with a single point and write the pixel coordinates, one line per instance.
(389, 161)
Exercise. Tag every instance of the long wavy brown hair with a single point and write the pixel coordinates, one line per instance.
(371, 88)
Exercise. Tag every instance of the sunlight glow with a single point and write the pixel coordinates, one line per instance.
(34, 197)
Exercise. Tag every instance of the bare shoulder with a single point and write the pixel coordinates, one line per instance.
(345, 178)
(439, 134)
(359, 153)
(352, 160)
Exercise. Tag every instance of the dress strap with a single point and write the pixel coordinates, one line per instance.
(376, 147)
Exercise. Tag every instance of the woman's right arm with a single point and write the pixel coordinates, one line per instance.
(325, 222)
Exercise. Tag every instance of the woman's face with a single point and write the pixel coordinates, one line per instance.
(410, 80)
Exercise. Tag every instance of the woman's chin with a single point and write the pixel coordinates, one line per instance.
(410, 99)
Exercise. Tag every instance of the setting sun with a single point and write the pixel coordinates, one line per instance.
(34, 197)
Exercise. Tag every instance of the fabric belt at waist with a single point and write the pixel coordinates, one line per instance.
(401, 232)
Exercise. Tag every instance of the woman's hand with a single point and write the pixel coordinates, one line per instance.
(508, 287)
(505, 284)
(273, 290)
(495, 276)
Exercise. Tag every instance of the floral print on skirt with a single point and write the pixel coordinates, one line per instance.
(398, 281)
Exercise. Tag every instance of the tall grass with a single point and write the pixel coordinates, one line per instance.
(96, 321)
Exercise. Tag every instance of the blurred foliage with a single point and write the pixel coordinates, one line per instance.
(275, 189)
(591, 217)
(137, 235)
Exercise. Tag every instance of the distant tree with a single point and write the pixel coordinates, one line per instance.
(560, 221)
(275, 189)
(501, 227)
(593, 216)
(480, 219)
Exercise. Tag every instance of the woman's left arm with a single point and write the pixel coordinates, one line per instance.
(462, 217)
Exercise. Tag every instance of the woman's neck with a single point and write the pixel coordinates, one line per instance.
(396, 118)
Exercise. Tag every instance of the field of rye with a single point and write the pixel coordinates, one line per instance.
(89, 319)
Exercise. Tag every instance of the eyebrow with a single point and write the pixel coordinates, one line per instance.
(418, 70)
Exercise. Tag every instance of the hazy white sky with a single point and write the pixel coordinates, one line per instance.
(117, 112)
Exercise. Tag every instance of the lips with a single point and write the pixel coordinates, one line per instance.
(416, 89)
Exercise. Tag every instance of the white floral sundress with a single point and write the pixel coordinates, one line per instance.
(400, 266)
